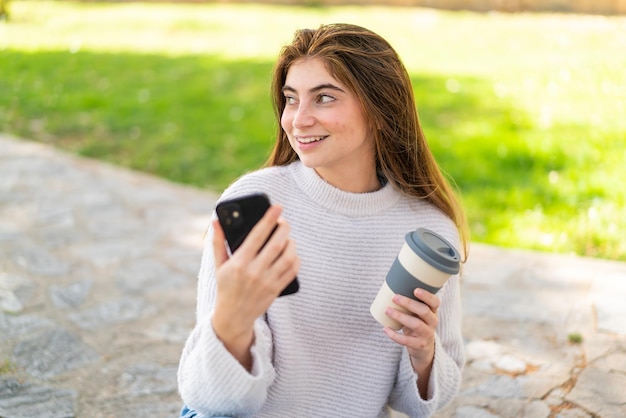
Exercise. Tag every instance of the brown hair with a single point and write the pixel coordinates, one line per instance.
(371, 68)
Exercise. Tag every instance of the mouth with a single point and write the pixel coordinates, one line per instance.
(310, 139)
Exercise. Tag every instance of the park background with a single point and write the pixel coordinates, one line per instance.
(526, 111)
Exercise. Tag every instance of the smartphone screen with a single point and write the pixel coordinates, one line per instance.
(237, 218)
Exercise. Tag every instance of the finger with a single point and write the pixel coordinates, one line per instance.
(408, 321)
(220, 253)
(279, 260)
(286, 266)
(418, 347)
(418, 308)
(428, 298)
(276, 245)
(397, 337)
(261, 231)
(285, 279)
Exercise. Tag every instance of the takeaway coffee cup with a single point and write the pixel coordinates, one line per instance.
(426, 260)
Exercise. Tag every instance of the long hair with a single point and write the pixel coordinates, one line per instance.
(367, 65)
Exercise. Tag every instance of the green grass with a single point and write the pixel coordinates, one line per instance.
(526, 112)
(575, 338)
(6, 367)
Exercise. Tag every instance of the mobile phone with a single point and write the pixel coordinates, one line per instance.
(238, 216)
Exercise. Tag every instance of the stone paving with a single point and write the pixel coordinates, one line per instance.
(97, 296)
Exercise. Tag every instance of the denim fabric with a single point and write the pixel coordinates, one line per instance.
(190, 413)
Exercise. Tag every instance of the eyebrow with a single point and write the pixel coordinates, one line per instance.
(315, 89)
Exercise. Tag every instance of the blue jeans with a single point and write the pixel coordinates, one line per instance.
(190, 413)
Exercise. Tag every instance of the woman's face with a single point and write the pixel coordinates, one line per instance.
(327, 128)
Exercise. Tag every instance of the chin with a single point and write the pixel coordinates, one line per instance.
(308, 162)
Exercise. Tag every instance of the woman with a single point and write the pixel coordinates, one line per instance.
(350, 175)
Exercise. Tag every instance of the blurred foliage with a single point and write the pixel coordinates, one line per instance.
(526, 113)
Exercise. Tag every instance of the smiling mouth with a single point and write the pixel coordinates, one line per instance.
(311, 139)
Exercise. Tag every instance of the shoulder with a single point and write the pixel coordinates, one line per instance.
(267, 180)
(423, 214)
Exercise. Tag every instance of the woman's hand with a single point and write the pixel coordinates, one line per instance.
(418, 332)
(250, 280)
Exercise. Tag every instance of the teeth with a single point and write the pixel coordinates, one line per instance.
(311, 139)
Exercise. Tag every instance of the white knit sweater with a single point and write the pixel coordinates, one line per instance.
(319, 353)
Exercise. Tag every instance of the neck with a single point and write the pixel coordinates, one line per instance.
(351, 181)
(339, 200)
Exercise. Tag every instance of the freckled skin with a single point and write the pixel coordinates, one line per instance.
(320, 106)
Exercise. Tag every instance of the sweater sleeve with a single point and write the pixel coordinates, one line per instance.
(210, 380)
(445, 376)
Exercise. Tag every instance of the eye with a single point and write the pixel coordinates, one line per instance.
(290, 100)
(325, 98)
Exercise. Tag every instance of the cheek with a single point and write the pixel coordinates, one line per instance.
(349, 130)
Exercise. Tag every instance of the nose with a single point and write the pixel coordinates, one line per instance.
(303, 117)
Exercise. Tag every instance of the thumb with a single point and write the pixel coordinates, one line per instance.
(219, 247)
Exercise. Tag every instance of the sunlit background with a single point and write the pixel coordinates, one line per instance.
(525, 111)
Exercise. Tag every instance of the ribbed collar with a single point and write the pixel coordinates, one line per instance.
(337, 200)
